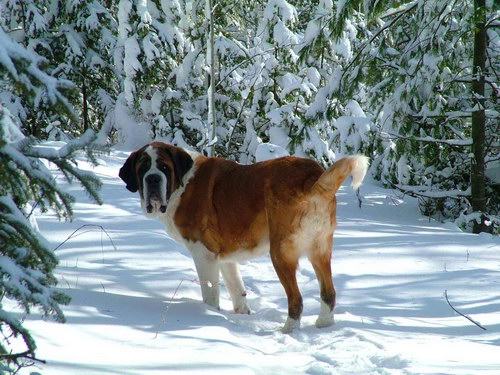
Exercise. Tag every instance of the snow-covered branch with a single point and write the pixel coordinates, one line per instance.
(394, 11)
(37, 81)
(452, 142)
(427, 192)
(493, 84)
(387, 25)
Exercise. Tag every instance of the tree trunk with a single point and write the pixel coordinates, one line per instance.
(211, 89)
(478, 183)
(85, 109)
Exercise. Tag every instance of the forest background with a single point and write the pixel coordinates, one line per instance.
(411, 84)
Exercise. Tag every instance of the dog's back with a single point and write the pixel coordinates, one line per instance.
(233, 202)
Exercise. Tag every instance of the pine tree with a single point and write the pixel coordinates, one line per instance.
(157, 58)
(414, 66)
(284, 95)
(28, 23)
(75, 40)
(274, 87)
(428, 116)
(262, 91)
(82, 52)
(478, 125)
(26, 261)
(236, 26)
(328, 50)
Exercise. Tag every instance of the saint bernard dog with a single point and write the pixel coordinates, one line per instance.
(225, 212)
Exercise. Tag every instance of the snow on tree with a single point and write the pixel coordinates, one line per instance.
(392, 80)
(158, 59)
(261, 90)
(26, 185)
(82, 49)
(414, 67)
(287, 86)
(330, 41)
(425, 118)
(264, 84)
(36, 105)
(74, 41)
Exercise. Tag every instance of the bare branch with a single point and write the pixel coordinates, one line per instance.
(459, 313)
(452, 142)
(86, 226)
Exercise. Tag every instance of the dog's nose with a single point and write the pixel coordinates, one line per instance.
(153, 179)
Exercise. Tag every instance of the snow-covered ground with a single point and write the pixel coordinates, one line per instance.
(136, 305)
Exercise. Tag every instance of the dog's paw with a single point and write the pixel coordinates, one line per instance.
(324, 321)
(242, 309)
(290, 325)
(213, 301)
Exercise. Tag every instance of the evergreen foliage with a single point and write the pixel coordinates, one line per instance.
(74, 41)
(26, 261)
(26, 183)
(392, 80)
(411, 70)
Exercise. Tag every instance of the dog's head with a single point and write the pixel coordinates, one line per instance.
(156, 171)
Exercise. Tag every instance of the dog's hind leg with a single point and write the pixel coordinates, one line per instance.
(320, 256)
(285, 260)
(234, 283)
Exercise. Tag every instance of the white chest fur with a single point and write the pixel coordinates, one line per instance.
(168, 217)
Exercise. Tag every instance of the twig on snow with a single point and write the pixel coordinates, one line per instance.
(164, 319)
(358, 195)
(459, 313)
(86, 226)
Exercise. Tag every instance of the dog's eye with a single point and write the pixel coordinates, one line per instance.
(163, 168)
(146, 164)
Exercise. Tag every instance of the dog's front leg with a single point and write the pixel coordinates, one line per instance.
(208, 268)
(234, 283)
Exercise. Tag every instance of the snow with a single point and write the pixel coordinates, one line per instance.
(136, 305)
(48, 87)
(74, 40)
(285, 10)
(340, 8)
(426, 191)
(314, 76)
(320, 103)
(131, 134)
(278, 136)
(124, 10)
(352, 131)
(12, 133)
(152, 53)
(142, 10)
(267, 151)
(403, 170)
(493, 171)
(283, 36)
(131, 66)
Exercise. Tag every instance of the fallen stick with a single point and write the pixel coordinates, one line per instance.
(459, 313)
(87, 226)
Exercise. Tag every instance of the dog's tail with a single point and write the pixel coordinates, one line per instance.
(331, 180)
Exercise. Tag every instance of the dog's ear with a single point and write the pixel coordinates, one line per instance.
(182, 162)
(127, 172)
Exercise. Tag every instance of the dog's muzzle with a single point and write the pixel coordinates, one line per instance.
(154, 198)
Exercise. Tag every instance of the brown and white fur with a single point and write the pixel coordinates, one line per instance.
(224, 212)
